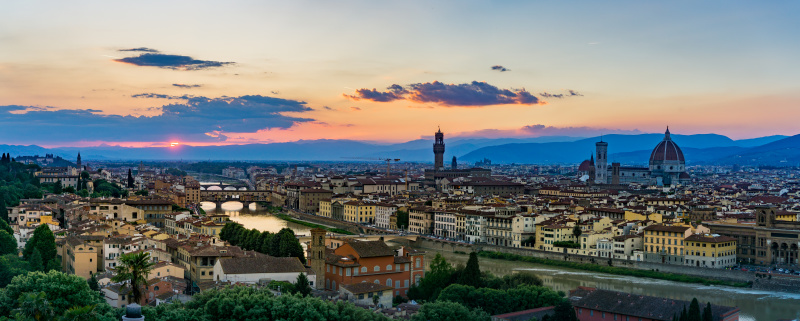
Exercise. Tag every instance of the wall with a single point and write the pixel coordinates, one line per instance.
(718, 274)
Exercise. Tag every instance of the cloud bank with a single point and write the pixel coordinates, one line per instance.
(198, 119)
(474, 94)
(500, 68)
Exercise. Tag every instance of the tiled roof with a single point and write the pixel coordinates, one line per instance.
(261, 263)
(641, 306)
(371, 248)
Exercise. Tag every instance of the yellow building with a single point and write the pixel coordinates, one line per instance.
(80, 257)
(710, 250)
(665, 243)
(631, 216)
(359, 212)
(785, 216)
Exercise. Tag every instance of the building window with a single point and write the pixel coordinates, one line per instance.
(376, 269)
(363, 269)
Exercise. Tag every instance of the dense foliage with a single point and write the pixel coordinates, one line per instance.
(244, 303)
(52, 294)
(175, 171)
(17, 182)
(43, 243)
(281, 244)
(611, 269)
(449, 311)
(495, 301)
(107, 189)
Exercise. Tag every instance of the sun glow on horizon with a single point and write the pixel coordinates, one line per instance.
(173, 144)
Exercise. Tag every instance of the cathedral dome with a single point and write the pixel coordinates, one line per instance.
(585, 166)
(666, 150)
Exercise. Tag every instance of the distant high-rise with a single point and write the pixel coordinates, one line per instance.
(454, 165)
(79, 163)
(601, 171)
(438, 151)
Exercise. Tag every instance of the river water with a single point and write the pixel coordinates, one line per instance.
(754, 304)
(250, 218)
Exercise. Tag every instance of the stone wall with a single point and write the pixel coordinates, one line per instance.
(777, 284)
(718, 274)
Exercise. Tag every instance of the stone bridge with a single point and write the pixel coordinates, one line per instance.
(218, 197)
(222, 186)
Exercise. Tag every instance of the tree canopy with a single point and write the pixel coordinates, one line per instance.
(44, 241)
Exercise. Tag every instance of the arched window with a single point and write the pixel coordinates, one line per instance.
(377, 281)
(388, 282)
(388, 267)
(363, 269)
(377, 269)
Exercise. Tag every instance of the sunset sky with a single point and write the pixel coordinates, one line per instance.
(148, 73)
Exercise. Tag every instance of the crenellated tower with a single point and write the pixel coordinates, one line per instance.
(438, 151)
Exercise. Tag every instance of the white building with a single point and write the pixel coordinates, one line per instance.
(261, 268)
(383, 214)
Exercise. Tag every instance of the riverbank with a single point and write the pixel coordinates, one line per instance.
(613, 270)
(288, 218)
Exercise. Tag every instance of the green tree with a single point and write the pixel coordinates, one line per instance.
(8, 244)
(564, 312)
(35, 306)
(576, 231)
(301, 285)
(35, 261)
(707, 314)
(448, 311)
(143, 192)
(133, 268)
(61, 290)
(44, 241)
(694, 311)
(495, 301)
(402, 220)
(3, 211)
(58, 188)
(93, 283)
(5, 227)
(11, 265)
(84, 313)
(472, 272)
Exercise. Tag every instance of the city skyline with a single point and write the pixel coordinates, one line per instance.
(153, 75)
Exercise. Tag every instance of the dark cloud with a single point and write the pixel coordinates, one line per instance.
(327, 108)
(355, 108)
(161, 96)
(141, 49)
(394, 92)
(500, 68)
(196, 119)
(570, 93)
(175, 62)
(187, 86)
(472, 94)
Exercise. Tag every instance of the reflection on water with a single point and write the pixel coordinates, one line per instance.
(257, 219)
(754, 304)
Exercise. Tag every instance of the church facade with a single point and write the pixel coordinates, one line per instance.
(667, 166)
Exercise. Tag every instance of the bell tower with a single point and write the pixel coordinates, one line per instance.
(316, 256)
(601, 169)
(438, 151)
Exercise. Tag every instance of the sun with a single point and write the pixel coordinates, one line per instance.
(173, 144)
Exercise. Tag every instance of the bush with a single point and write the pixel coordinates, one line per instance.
(567, 244)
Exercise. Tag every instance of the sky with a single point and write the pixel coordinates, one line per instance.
(152, 73)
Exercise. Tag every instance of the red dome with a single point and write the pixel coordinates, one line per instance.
(667, 150)
(585, 166)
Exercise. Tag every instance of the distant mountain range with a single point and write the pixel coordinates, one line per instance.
(626, 149)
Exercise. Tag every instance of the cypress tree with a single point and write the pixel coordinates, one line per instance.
(35, 261)
(93, 283)
(707, 316)
(684, 316)
(471, 275)
(694, 311)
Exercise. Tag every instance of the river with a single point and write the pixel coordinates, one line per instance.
(250, 218)
(754, 304)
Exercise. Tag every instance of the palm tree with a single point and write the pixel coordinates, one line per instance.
(134, 269)
(35, 305)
